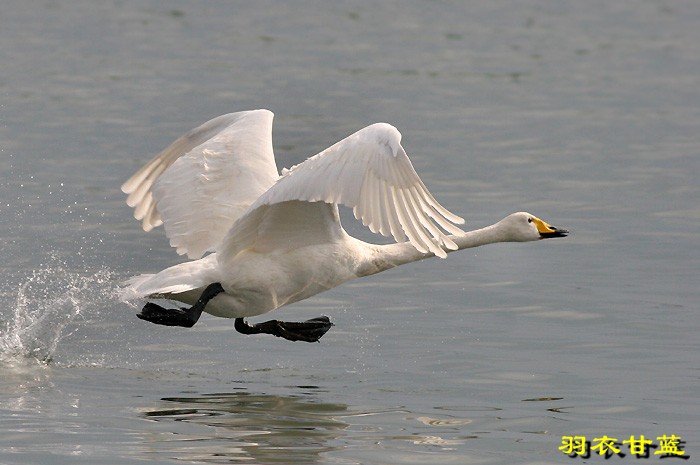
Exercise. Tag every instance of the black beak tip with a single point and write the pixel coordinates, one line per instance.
(556, 233)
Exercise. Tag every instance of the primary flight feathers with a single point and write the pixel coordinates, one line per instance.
(213, 187)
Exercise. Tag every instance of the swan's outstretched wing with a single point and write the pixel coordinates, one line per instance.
(204, 181)
(369, 172)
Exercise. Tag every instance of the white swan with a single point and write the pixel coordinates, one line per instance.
(277, 239)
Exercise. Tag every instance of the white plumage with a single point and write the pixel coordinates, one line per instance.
(278, 239)
(205, 180)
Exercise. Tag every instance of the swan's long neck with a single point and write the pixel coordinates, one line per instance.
(389, 256)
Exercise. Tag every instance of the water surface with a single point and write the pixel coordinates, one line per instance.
(584, 113)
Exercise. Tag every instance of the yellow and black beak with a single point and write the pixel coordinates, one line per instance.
(547, 231)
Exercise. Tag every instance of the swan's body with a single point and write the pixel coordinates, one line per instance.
(275, 240)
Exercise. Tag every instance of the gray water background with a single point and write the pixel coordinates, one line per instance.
(584, 113)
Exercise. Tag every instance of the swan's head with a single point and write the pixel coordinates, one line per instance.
(523, 226)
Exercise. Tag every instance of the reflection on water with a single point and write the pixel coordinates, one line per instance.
(21, 386)
(237, 426)
(266, 428)
(56, 413)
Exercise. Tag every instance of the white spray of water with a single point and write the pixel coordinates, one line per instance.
(48, 308)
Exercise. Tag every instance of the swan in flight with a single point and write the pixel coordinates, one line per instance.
(259, 240)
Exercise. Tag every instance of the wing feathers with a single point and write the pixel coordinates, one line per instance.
(200, 184)
(369, 172)
(214, 186)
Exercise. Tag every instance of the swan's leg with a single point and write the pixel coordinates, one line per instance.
(309, 331)
(186, 317)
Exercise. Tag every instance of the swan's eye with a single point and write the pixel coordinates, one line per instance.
(529, 220)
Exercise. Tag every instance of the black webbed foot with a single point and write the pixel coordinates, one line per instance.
(309, 331)
(168, 316)
(186, 317)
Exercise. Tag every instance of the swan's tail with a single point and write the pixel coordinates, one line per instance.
(174, 280)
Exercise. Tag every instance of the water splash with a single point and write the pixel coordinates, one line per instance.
(49, 305)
